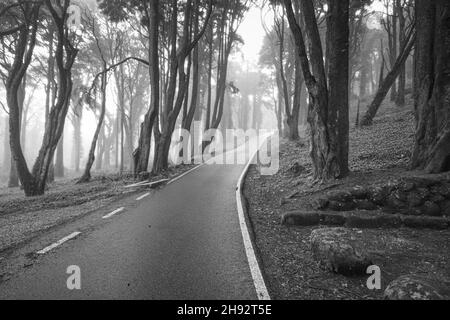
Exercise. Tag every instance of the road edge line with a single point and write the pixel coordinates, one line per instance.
(255, 269)
(185, 174)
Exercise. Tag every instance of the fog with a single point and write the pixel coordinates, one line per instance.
(252, 99)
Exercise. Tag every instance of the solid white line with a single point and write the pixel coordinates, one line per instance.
(58, 243)
(258, 280)
(143, 196)
(185, 174)
(113, 213)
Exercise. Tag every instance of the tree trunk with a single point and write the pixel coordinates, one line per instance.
(77, 142)
(13, 181)
(59, 164)
(6, 149)
(329, 155)
(432, 87)
(393, 49)
(388, 81)
(91, 157)
(142, 153)
(100, 150)
(178, 57)
(400, 99)
(338, 71)
(187, 121)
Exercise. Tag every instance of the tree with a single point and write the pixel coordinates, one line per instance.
(34, 182)
(432, 86)
(387, 83)
(174, 102)
(328, 109)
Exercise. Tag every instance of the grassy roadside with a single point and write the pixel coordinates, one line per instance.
(378, 153)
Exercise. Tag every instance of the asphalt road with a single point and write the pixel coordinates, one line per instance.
(180, 242)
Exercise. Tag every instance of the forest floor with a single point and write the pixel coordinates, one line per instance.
(22, 219)
(377, 153)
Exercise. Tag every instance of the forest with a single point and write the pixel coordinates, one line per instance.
(93, 96)
(130, 54)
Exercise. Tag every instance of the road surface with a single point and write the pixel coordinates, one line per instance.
(180, 242)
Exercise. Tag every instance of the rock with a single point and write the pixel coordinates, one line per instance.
(360, 193)
(340, 250)
(431, 209)
(394, 203)
(341, 206)
(425, 222)
(408, 186)
(441, 190)
(298, 218)
(144, 176)
(412, 287)
(297, 169)
(332, 219)
(373, 221)
(378, 195)
(445, 208)
(437, 198)
(320, 203)
(414, 212)
(444, 190)
(415, 199)
(365, 205)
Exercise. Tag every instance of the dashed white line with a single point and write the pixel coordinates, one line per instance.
(143, 196)
(58, 243)
(113, 213)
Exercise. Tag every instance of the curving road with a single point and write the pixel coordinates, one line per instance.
(180, 242)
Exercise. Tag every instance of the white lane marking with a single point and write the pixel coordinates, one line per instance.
(185, 174)
(143, 196)
(58, 243)
(113, 213)
(258, 280)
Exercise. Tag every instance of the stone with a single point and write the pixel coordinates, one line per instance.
(415, 199)
(341, 206)
(444, 190)
(373, 221)
(360, 193)
(365, 205)
(395, 203)
(431, 209)
(298, 218)
(144, 176)
(297, 169)
(340, 250)
(445, 208)
(408, 186)
(332, 219)
(412, 287)
(320, 203)
(437, 198)
(425, 222)
(378, 195)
